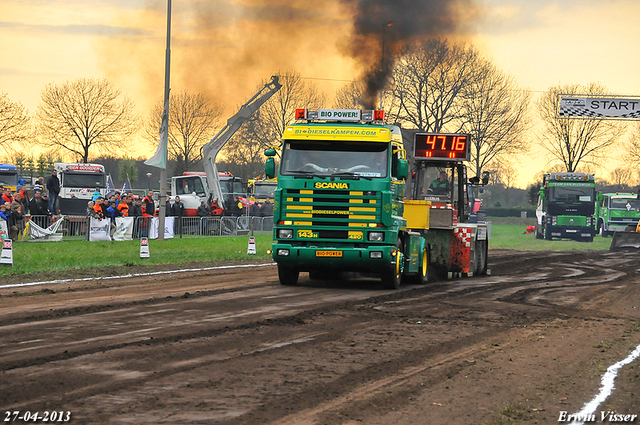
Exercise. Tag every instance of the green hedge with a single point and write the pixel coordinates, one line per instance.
(510, 212)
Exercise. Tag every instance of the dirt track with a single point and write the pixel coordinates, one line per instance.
(235, 347)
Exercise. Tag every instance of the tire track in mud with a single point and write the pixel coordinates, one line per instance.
(234, 330)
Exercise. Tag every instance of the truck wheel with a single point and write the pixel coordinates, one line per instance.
(423, 272)
(601, 230)
(391, 279)
(547, 233)
(539, 234)
(287, 276)
(481, 258)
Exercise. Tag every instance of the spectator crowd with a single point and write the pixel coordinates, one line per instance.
(16, 207)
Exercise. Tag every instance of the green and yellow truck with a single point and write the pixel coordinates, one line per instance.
(340, 202)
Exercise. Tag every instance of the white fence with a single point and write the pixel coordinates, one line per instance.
(75, 227)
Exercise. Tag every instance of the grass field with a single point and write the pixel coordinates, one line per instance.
(30, 257)
(58, 256)
(510, 236)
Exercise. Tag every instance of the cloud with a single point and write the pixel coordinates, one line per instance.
(99, 30)
(22, 73)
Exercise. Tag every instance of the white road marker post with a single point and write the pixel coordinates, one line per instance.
(6, 258)
(144, 248)
(251, 248)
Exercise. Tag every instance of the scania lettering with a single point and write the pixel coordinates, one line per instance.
(78, 182)
(340, 200)
(566, 207)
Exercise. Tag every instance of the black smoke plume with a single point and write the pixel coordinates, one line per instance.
(381, 28)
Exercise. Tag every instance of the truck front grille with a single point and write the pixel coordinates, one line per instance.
(323, 210)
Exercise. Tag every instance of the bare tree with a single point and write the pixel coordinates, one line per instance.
(428, 82)
(571, 141)
(494, 114)
(266, 127)
(632, 157)
(350, 96)
(85, 115)
(622, 177)
(192, 123)
(14, 123)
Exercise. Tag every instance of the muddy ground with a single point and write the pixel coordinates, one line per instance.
(233, 346)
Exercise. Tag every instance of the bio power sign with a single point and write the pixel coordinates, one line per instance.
(598, 107)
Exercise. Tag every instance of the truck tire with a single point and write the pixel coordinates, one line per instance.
(547, 233)
(392, 278)
(480, 268)
(423, 272)
(601, 230)
(287, 275)
(539, 234)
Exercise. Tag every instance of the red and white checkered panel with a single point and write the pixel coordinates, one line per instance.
(464, 234)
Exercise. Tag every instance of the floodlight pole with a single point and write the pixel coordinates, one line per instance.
(163, 171)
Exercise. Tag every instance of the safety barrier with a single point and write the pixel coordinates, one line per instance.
(75, 227)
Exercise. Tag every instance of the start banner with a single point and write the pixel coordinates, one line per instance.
(598, 107)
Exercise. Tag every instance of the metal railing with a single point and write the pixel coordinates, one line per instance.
(75, 227)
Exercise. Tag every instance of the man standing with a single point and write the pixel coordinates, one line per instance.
(38, 208)
(53, 186)
(266, 210)
(6, 196)
(177, 212)
(203, 212)
(149, 205)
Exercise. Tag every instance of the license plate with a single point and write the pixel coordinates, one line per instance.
(328, 253)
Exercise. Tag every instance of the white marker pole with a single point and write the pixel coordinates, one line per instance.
(6, 258)
(144, 247)
(251, 248)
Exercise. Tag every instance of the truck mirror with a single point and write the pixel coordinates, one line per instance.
(402, 170)
(270, 152)
(270, 167)
(474, 180)
(485, 178)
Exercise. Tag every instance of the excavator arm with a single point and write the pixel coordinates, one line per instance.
(211, 149)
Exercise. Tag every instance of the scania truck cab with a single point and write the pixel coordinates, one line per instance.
(339, 202)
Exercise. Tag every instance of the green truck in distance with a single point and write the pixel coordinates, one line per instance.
(616, 211)
(566, 207)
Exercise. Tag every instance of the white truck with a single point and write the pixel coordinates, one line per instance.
(209, 186)
(78, 182)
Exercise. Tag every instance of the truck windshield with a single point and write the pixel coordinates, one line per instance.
(625, 204)
(572, 194)
(232, 187)
(189, 185)
(326, 158)
(83, 180)
(265, 190)
(8, 179)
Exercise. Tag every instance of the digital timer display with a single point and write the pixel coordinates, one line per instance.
(442, 146)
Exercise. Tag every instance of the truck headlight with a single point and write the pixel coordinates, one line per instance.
(283, 252)
(376, 236)
(285, 234)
